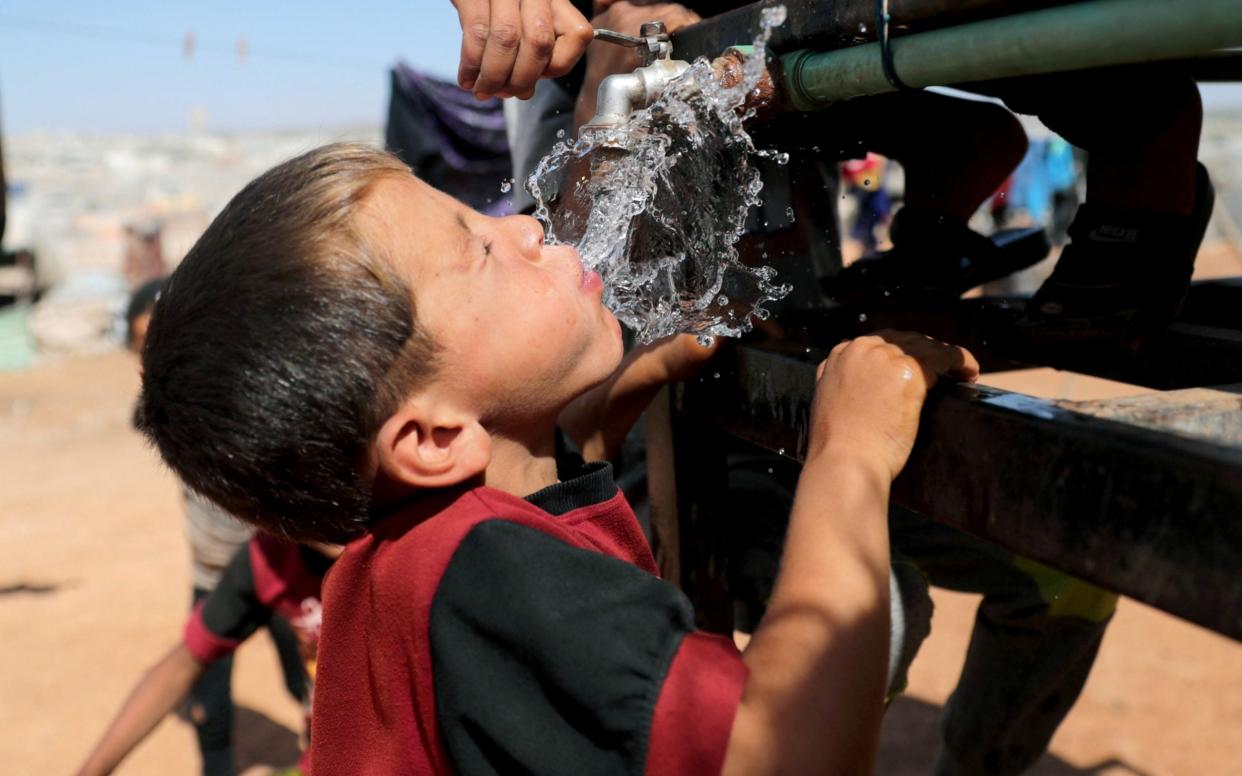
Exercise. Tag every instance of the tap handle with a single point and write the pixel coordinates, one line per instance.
(619, 38)
(652, 41)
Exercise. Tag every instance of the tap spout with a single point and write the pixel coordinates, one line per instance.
(621, 94)
(618, 95)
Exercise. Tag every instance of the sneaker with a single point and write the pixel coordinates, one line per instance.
(1123, 272)
(934, 260)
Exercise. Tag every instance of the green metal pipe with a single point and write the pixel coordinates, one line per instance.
(1072, 37)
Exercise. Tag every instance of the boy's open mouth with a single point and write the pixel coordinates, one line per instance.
(588, 279)
(591, 281)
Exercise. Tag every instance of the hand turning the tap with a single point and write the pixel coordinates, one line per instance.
(508, 45)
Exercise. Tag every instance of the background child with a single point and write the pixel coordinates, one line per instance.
(215, 537)
(265, 577)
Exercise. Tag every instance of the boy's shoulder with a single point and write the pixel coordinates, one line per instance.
(412, 548)
(436, 525)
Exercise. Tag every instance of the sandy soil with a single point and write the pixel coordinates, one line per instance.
(94, 587)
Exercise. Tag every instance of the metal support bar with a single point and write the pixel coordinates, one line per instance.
(1151, 515)
(1186, 355)
(825, 24)
(1085, 35)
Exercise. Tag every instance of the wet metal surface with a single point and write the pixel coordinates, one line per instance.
(1152, 515)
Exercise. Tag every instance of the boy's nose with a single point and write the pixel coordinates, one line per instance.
(529, 234)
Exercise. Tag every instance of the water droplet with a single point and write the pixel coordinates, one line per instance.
(769, 470)
(789, 213)
(862, 317)
(506, 185)
(560, 133)
(862, 27)
(781, 451)
(705, 340)
(762, 314)
(715, 375)
(722, 300)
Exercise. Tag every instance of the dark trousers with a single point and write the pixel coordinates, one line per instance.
(211, 699)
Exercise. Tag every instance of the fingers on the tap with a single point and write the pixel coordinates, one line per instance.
(507, 45)
(504, 38)
(474, 16)
(538, 42)
(573, 34)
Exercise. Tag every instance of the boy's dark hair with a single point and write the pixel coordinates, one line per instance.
(280, 345)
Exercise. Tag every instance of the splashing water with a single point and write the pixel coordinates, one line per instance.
(660, 211)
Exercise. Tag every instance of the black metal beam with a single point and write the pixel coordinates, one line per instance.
(1151, 515)
(1203, 348)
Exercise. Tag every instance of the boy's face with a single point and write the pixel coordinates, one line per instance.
(520, 324)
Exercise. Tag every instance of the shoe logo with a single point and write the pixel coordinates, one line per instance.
(1113, 234)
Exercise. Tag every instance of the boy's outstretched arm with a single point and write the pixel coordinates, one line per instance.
(155, 695)
(813, 700)
(598, 420)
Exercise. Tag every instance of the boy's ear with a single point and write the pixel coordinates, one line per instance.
(428, 445)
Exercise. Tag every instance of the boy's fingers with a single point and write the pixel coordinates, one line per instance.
(474, 16)
(573, 34)
(949, 360)
(535, 51)
(504, 38)
(936, 357)
(966, 368)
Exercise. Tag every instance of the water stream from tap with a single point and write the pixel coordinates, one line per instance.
(660, 211)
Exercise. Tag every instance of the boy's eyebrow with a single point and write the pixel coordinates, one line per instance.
(469, 237)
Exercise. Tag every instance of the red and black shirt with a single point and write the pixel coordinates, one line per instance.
(266, 576)
(476, 632)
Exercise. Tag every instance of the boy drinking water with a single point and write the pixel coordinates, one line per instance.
(349, 355)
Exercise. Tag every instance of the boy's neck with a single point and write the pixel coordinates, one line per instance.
(522, 466)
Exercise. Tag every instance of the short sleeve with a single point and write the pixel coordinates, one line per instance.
(549, 659)
(229, 614)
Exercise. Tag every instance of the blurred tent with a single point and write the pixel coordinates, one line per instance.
(450, 139)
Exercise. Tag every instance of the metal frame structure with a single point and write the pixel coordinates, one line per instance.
(1141, 497)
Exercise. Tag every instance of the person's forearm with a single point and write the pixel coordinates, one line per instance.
(814, 697)
(599, 420)
(158, 693)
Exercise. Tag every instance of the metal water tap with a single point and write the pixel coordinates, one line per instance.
(622, 93)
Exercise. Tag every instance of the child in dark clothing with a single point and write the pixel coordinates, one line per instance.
(267, 577)
(349, 354)
(214, 537)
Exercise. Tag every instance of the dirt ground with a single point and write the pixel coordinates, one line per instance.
(94, 587)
